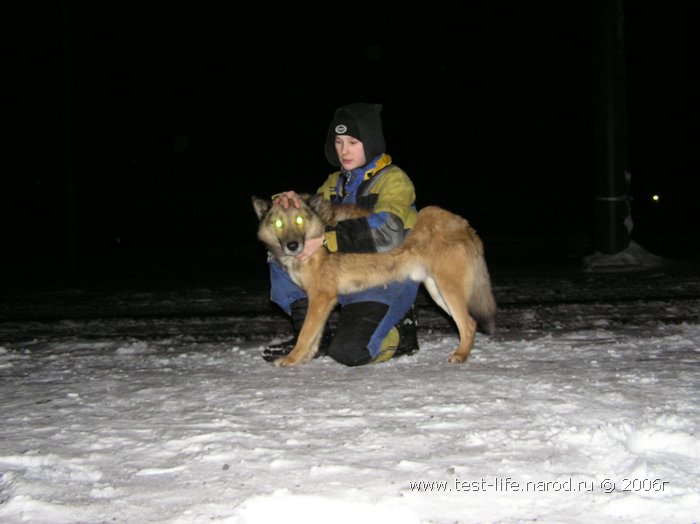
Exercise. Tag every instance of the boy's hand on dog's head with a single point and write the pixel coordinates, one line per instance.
(286, 198)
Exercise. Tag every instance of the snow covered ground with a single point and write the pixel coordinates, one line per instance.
(142, 405)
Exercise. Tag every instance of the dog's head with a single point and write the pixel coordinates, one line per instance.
(285, 230)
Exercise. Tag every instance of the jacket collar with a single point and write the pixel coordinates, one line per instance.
(369, 170)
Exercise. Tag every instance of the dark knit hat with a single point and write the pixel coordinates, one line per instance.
(362, 121)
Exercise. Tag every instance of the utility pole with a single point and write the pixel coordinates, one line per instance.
(613, 220)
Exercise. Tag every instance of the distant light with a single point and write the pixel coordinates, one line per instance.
(655, 198)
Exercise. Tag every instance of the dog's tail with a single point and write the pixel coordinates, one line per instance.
(482, 304)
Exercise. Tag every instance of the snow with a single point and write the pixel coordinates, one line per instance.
(130, 405)
(633, 256)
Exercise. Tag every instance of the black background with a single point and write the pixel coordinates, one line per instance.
(140, 132)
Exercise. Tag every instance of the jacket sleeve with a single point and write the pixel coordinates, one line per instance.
(391, 200)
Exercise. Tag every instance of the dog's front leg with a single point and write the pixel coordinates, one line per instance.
(320, 307)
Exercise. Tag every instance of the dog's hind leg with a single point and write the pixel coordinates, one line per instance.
(320, 307)
(467, 331)
(453, 294)
(466, 325)
(434, 292)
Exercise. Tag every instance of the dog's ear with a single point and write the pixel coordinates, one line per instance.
(261, 206)
(315, 202)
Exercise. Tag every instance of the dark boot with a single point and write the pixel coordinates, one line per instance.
(275, 351)
(408, 334)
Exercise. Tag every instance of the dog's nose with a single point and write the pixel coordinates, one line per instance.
(293, 245)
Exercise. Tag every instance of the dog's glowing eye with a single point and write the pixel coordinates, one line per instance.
(279, 224)
(299, 220)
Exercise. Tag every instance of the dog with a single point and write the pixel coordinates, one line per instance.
(442, 251)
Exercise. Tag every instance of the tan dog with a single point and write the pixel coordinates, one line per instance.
(442, 251)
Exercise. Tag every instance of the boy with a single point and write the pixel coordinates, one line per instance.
(379, 323)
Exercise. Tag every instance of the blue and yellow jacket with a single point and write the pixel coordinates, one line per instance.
(385, 189)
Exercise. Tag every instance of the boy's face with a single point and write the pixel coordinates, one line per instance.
(351, 152)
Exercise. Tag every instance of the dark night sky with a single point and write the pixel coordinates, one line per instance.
(179, 114)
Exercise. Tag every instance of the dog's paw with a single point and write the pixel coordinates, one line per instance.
(285, 362)
(455, 358)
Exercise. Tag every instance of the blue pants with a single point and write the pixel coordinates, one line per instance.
(398, 296)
